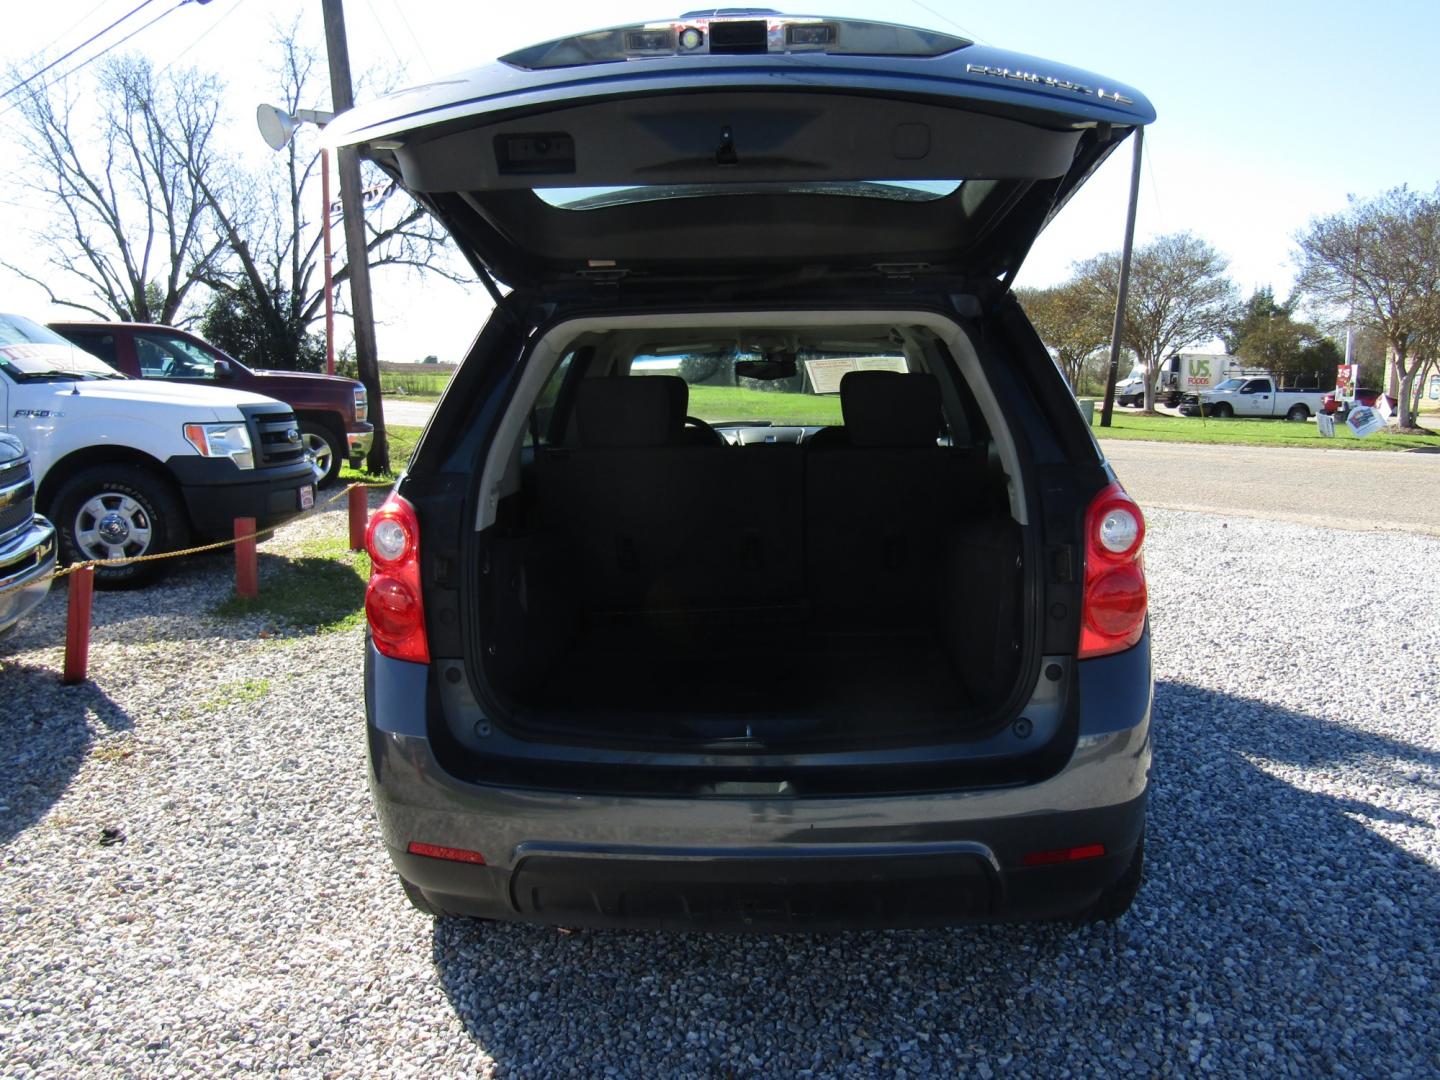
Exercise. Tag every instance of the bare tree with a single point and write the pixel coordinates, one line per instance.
(272, 223)
(1379, 259)
(131, 232)
(1073, 321)
(1180, 295)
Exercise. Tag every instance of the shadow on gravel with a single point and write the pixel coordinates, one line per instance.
(46, 730)
(1276, 926)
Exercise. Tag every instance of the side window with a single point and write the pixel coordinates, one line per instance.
(100, 346)
(168, 356)
(1256, 386)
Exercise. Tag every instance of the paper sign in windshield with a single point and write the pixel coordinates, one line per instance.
(825, 375)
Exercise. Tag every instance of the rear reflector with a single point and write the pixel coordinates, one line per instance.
(454, 854)
(1064, 855)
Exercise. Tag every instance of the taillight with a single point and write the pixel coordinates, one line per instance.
(392, 599)
(1112, 615)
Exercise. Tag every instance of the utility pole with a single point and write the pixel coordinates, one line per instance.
(366, 353)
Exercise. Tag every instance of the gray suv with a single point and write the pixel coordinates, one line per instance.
(757, 569)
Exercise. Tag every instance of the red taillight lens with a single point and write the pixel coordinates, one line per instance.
(392, 599)
(1113, 612)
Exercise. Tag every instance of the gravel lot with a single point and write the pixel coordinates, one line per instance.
(193, 883)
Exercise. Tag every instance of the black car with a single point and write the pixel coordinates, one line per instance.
(757, 569)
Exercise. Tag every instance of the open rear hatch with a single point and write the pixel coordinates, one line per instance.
(775, 154)
(707, 149)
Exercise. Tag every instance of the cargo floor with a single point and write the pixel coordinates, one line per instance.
(769, 680)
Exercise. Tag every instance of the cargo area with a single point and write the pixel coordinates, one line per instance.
(690, 552)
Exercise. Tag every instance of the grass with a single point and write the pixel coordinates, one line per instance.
(321, 588)
(238, 693)
(415, 385)
(1249, 432)
(717, 404)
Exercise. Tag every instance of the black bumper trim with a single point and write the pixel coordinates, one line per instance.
(216, 492)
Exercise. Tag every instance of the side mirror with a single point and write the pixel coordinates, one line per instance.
(223, 370)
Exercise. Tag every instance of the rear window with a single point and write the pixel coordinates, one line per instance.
(598, 198)
(720, 392)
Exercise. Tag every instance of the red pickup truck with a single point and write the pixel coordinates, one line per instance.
(331, 410)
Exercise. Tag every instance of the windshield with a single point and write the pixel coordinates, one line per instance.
(1230, 384)
(803, 388)
(29, 350)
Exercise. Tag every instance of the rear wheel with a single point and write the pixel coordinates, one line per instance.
(118, 511)
(1116, 900)
(325, 449)
(1298, 412)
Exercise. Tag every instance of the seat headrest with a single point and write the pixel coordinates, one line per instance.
(886, 408)
(631, 410)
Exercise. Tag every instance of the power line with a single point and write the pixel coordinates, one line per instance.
(72, 28)
(56, 63)
(385, 34)
(400, 10)
(203, 35)
(108, 48)
(952, 22)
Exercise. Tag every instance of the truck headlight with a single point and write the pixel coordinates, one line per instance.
(222, 440)
(362, 404)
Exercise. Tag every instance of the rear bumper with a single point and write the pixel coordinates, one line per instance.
(579, 859)
(216, 493)
(26, 563)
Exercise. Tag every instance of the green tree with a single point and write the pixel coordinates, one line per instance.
(1180, 295)
(1264, 333)
(248, 329)
(1377, 262)
(1073, 320)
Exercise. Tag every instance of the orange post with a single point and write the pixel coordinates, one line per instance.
(359, 517)
(247, 576)
(77, 625)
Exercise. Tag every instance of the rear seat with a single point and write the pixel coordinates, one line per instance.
(662, 527)
(865, 531)
(882, 503)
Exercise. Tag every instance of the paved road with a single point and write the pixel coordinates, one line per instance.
(407, 413)
(1347, 489)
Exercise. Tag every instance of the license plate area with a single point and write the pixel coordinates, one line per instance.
(307, 496)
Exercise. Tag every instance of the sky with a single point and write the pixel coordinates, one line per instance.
(1270, 112)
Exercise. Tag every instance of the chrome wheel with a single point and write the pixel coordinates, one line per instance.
(317, 450)
(112, 525)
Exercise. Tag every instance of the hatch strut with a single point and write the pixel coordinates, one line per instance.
(1124, 290)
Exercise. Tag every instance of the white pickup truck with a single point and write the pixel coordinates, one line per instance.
(1255, 395)
(125, 468)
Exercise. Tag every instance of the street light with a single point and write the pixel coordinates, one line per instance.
(277, 128)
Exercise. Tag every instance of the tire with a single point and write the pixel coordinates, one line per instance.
(138, 508)
(1298, 413)
(326, 449)
(1222, 411)
(1116, 900)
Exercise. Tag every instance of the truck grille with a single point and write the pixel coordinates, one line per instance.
(275, 434)
(17, 498)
